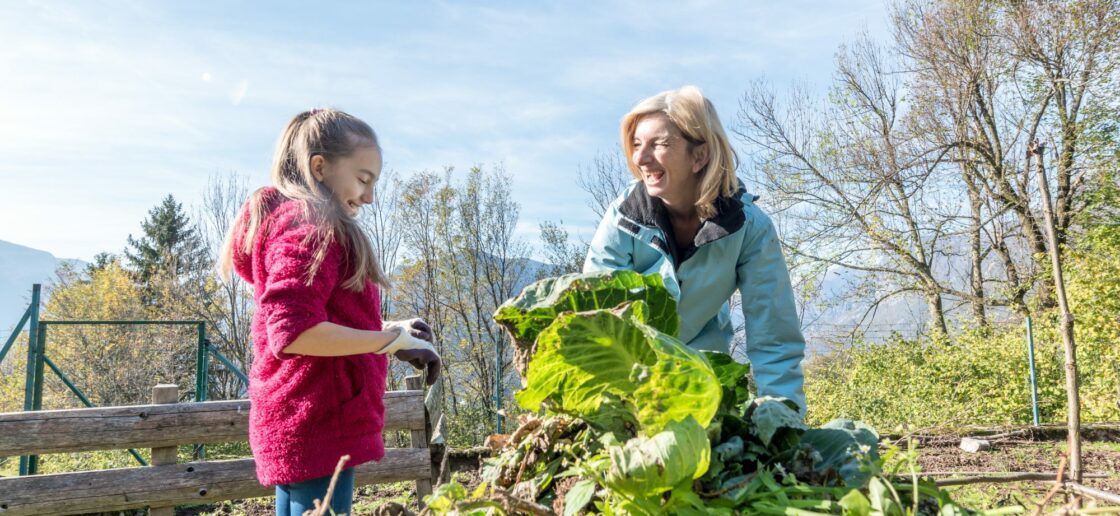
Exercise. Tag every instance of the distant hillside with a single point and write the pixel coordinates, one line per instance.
(20, 267)
(906, 314)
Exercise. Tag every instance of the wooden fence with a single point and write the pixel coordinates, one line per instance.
(163, 426)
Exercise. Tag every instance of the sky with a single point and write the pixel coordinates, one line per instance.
(107, 107)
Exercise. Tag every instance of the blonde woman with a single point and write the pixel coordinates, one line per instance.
(689, 219)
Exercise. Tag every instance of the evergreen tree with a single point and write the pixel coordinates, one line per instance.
(170, 246)
(100, 262)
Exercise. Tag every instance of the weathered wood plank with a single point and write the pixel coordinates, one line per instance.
(441, 469)
(434, 402)
(439, 431)
(420, 441)
(154, 426)
(197, 482)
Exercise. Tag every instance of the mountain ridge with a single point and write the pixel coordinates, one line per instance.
(20, 268)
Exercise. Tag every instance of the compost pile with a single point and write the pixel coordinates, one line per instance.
(625, 419)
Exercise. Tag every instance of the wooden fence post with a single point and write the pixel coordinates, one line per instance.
(164, 394)
(419, 440)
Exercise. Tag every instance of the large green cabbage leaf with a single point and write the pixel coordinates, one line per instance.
(733, 376)
(772, 417)
(649, 466)
(841, 443)
(538, 305)
(588, 359)
(679, 384)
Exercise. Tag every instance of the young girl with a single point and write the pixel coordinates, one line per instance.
(318, 375)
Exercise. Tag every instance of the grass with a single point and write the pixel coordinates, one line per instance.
(1109, 446)
(368, 498)
(999, 495)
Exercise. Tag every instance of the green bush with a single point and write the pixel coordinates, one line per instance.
(982, 377)
(1093, 281)
(977, 380)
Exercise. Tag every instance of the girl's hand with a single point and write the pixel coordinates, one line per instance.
(420, 359)
(408, 348)
(416, 327)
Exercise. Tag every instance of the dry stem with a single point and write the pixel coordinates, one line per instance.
(1053, 490)
(321, 508)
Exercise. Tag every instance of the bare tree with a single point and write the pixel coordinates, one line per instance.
(426, 210)
(483, 266)
(1070, 51)
(604, 180)
(851, 178)
(384, 224)
(1007, 75)
(959, 83)
(228, 310)
(564, 256)
(917, 163)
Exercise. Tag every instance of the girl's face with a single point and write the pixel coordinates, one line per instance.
(351, 178)
(669, 168)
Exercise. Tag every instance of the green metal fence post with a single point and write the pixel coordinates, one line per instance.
(206, 361)
(1034, 377)
(40, 365)
(30, 464)
(202, 381)
(200, 368)
(40, 379)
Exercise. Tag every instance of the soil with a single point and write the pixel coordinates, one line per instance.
(939, 456)
(1098, 458)
(367, 500)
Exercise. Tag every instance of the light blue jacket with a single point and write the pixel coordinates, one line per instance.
(736, 249)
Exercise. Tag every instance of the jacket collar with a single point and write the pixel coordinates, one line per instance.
(646, 210)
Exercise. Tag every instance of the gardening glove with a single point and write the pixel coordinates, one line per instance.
(417, 327)
(408, 348)
(420, 359)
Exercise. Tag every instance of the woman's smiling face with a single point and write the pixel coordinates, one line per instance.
(668, 164)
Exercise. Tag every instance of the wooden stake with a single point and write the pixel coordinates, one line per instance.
(164, 394)
(1073, 397)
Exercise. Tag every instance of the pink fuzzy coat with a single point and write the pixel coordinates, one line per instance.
(306, 411)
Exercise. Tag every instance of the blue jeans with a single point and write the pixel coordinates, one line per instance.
(294, 499)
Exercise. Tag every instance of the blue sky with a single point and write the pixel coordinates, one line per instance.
(106, 107)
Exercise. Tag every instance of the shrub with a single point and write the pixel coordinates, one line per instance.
(983, 377)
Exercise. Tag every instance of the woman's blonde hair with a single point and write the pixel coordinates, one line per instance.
(332, 134)
(697, 120)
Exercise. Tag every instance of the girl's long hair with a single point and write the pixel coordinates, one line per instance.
(332, 134)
